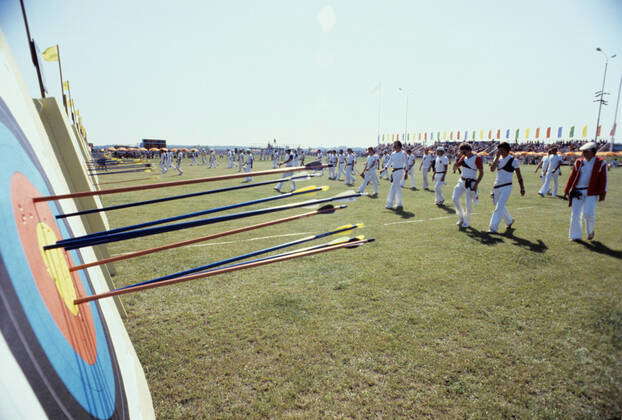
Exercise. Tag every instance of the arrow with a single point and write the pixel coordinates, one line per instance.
(301, 191)
(209, 266)
(301, 177)
(328, 209)
(220, 271)
(119, 172)
(195, 223)
(310, 166)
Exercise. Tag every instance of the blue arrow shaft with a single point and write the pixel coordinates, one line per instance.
(240, 257)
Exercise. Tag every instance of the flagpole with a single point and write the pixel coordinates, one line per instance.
(615, 115)
(73, 117)
(379, 108)
(33, 50)
(62, 89)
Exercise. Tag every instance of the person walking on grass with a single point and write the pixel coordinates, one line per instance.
(505, 165)
(554, 162)
(439, 169)
(471, 169)
(397, 163)
(369, 172)
(290, 160)
(586, 186)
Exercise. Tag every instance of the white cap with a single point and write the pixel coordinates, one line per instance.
(588, 146)
(440, 149)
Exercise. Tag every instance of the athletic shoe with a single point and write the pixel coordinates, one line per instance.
(590, 236)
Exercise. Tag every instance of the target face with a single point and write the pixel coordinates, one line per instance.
(64, 351)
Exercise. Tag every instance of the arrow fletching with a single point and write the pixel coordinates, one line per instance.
(314, 165)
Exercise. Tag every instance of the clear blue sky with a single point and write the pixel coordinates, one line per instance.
(213, 73)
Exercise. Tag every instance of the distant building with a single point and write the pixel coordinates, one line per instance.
(153, 143)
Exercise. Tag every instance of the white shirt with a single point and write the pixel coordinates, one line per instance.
(341, 158)
(371, 162)
(585, 173)
(397, 160)
(292, 160)
(504, 177)
(545, 163)
(441, 163)
(471, 171)
(553, 162)
(427, 161)
(350, 158)
(410, 160)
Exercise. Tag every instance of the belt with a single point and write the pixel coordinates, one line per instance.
(397, 169)
(444, 172)
(584, 188)
(502, 185)
(467, 179)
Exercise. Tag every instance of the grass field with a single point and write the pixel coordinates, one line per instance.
(427, 321)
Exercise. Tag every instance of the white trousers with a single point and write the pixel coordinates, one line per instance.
(229, 163)
(370, 178)
(248, 169)
(331, 172)
(424, 174)
(384, 174)
(178, 167)
(546, 184)
(583, 208)
(411, 177)
(438, 187)
(286, 175)
(463, 213)
(395, 193)
(339, 170)
(500, 197)
(349, 178)
(275, 164)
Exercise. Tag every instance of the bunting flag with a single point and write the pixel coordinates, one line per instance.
(498, 133)
(571, 135)
(559, 132)
(66, 85)
(431, 136)
(548, 132)
(466, 135)
(438, 136)
(598, 130)
(444, 135)
(473, 136)
(584, 131)
(516, 135)
(451, 135)
(425, 136)
(538, 132)
(527, 133)
(507, 134)
(51, 53)
(613, 129)
(489, 134)
(458, 135)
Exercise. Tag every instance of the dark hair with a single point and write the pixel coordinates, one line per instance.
(397, 143)
(505, 145)
(465, 146)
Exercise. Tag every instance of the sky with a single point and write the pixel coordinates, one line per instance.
(199, 72)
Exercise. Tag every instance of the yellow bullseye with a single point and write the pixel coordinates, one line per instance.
(56, 265)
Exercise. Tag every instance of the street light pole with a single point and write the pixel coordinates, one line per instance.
(406, 116)
(602, 92)
(615, 115)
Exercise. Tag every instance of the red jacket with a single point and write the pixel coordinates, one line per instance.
(598, 179)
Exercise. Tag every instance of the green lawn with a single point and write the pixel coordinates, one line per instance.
(426, 321)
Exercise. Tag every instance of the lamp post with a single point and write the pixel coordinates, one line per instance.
(601, 94)
(615, 115)
(406, 116)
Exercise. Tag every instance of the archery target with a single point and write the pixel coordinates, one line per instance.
(64, 350)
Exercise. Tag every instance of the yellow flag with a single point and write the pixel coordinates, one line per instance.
(50, 54)
(527, 132)
(66, 84)
(584, 131)
(481, 134)
(71, 103)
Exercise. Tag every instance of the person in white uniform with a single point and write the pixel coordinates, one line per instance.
(369, 173)
(341, 163)
(439, 169)
(163, 163)
(290, 161)
(472, 171)
(319, 156)
(178, 159)
(587, 184)
(248, 165)
(554, 162)
(505, 164)
(543, 166)
(332, 161)
(410, 164)
(229, 159)
(350, 162)
(397, 165)
(275, 159)
(384, 174)
(426, 164)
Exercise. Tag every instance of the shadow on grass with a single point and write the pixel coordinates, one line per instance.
(538, 246)
(480, 236)
(447, 209)
(404, 214)
(600, 248)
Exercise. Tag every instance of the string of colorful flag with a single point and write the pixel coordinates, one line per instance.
(498, 134)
